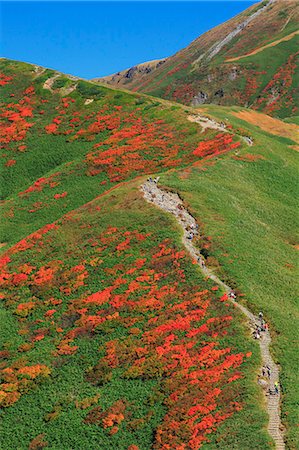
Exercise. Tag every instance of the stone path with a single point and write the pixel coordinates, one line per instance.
(48, 84)
(206, 122)
(171, 203)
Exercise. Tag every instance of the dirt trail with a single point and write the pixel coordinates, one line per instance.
(49, 82)
(260, 49)
(206, 122)
(171, 203)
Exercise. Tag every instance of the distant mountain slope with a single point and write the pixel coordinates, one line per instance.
(251, 60)
(134, 73)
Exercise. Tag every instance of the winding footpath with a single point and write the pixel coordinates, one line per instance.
(206, 122)
(171, 203)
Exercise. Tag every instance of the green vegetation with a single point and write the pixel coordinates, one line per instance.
(62, 156)
(63, 406)
(60, 82)
(111, 336)
(90, 90)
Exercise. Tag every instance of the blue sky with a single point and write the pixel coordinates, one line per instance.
(91, 39)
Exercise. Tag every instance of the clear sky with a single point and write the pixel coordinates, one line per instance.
(90, 39)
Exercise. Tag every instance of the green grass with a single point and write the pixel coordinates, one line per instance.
(48, 154)
(294, 120)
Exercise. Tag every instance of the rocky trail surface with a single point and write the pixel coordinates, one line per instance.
(171, 203)
(207, 122)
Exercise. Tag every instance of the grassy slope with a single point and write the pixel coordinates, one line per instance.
(250, 211)
(54, 154)
(51, 407)
(167, 139)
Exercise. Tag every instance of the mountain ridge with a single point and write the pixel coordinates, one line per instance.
(222, 66)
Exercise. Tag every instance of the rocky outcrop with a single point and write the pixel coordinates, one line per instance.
(200, 99)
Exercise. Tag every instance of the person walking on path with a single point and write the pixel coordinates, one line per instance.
(201, 262)
(257, 334)
(172, 204)
(269, 372)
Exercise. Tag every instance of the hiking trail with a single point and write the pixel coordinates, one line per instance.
(171, 203)
(206, 122)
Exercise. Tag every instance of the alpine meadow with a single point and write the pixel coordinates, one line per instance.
(149, 247)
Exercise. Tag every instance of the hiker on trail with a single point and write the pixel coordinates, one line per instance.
(269, 372)
(232, 295)
(257, 335)
(264, 371)
(260, 315)
(150, 179)
(156, 180)
(201, 262)
(276, 387)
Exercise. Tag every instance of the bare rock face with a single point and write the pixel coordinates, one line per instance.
(200, 99)
(130, 73)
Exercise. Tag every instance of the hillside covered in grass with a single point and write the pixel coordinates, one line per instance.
(111, 336)
(63, 146)
(250, 60)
